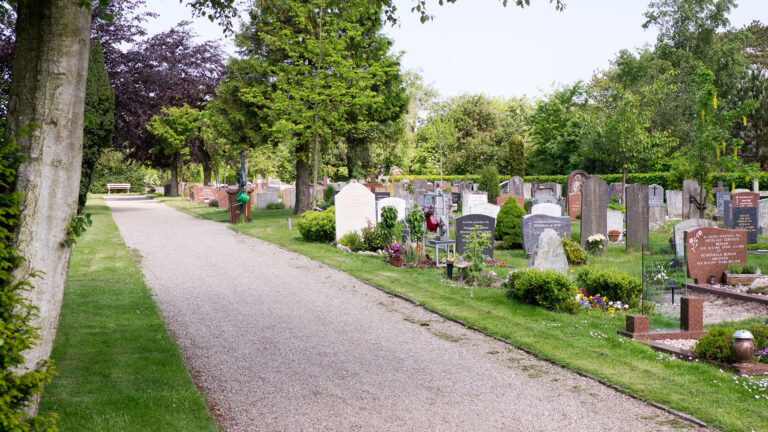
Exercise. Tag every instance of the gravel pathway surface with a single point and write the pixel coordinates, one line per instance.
(279, 342)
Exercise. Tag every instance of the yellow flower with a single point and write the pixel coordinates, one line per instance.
(718, 153)
(735, 153)
(723, 147)
(745, 120)
(702, 113)
(714, 102)
(611, 310)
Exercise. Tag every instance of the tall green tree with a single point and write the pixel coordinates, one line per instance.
(99, 118)
(174, 128)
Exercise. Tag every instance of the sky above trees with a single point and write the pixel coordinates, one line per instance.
(478, 46)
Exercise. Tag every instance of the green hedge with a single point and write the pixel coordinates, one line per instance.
(664, 179)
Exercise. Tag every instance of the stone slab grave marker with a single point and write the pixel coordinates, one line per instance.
(455, 198)
(593, 208)
(550, 254)
(574, 205)
(420, 187)
(727, 214)
(720, 198)
(533, 225)
(380, 196)
(615, 190)
(762, 216)
(438, 202)
(464, 225)
(614, 221)
(548, 209)
(542, 199)
(355, 209)
(504, 197)
(674, 203)
(265, 198)
(690, 188)
(637, 216)
(709, 250)
(575, 181)
(680, 228)
(289, 197)
(557, 188)
(744, 213)
(656, 217)
(527, 191)
(471, 199)
(398, 203)
(486, 209)
(655, 195)
(516, 186)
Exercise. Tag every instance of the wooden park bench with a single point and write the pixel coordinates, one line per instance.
(118, 186)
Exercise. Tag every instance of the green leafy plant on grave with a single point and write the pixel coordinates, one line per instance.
(614, 205)
(575, 254)
(374, 239)
(415, 220)
(318, 226)
(328, 197)
(388, 223)
(736, 268)
(476, 242)
(546, 288)
(352, 240)
(275, 206)
(610, 283)
(509, 225)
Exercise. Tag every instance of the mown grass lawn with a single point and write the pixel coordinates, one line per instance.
(118, 369)
(586, 342)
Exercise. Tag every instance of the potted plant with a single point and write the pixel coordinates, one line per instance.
(449, 260)
(613, 235)
(596, 244)
(395, 254)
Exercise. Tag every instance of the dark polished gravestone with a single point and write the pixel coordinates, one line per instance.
(727, 214)
(464, 225)
(744, 214)
(720, 199)
(594, 216)
(637, 216)
(534, 225)
(708, 252)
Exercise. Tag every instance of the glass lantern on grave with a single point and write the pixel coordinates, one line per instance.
(664, 277)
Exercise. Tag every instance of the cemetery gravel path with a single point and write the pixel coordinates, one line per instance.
(279, 342)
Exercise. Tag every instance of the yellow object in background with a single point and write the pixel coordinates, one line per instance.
(745, 120)
(702, 114)
(735, 154)
(733, 186)
(718, 153)
(723, 147)
(714, 102)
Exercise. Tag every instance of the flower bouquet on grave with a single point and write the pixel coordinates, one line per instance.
(596, 244)
(396, 253)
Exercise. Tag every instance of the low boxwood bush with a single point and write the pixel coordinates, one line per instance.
(374, 239)
(509, 224)
(716, 345)
(575, 254)
(611, 284)
(352, 240)
(548, 289)
(757, 246)
(318, 226)
(275, 206)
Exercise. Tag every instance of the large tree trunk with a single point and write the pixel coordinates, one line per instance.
(174, 181)
(48, 89)
(207, 174)
(302, 180)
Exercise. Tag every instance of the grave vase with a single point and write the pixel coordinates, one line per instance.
(449, 270)
(397, 262)
(613, 236)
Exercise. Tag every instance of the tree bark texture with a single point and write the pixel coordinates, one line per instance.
(302, 180)
(174, 190)
(48, 90)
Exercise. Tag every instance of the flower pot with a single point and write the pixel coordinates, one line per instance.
(449, 270)
(613, 236)
(397, 262)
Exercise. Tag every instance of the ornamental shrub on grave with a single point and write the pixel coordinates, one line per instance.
(575, 254)
(549, 289)
(374, 239)
(716, 345)
(611, 284)
(415, 220)
(489, 182)
(388, 222)
(352, 241)
(318, 226)
(16, 331)
(509, 225)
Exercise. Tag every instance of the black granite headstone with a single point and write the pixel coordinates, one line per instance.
(727, 214)
(746, 218)
(720, 198)
(464, 225)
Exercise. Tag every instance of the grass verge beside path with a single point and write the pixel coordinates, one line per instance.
(587, 342)
(118, 369)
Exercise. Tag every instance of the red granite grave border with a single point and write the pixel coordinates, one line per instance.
(709, 289)
(737, 368)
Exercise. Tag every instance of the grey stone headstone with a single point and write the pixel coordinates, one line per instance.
(675, 203)
(542, 199)
(727, 214)
(690, 188)
(516, 186)
(656, 217)
(720, 198)
(762, 210)
(464, 225)
(504, 186)
(550, 254)
(527, 191)
(556, 188)
(755, 185)
(593, 208)
(420, 187)
(533, 225)
(746, 218)
(655, 195)
(687, 224)
(615, 190)
(548, 209)
(637, 216)
(264, 198)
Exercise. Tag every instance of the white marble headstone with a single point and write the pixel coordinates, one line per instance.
(487, 209)
(548, 209)
(355, 209)
(471, 199)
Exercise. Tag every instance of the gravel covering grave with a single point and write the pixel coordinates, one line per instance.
(279, 342)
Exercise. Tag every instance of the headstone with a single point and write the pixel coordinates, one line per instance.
(688, 224)
(504, 197)
(637, 216)
(420, 187)
(762, 210)
(575, 181)
(690, 188)
(574, 205)
(548, 209)
(267, 197)
(720, 199)
(355, 209)
(616, 190)
(534, 225)
(464, 225)
(486, 209)
(727, 214)
(556, 188)
(593, 208)
(471, 199)
(710, 250)
(397, 203)
(273, 182)
(504, 187)
(614, 221)
(756, 186)
(527, 191)
(288, 196)
(741, 190)
(656, 217)
(655, 195)
(542, 199)
(455, 198)
(550, 254)
(744, 209)
(516, 186)
(674, 203)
